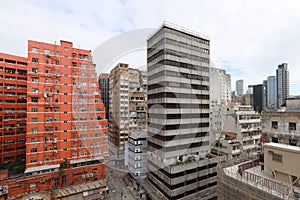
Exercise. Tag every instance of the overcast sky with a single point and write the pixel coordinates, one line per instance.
(248, 38)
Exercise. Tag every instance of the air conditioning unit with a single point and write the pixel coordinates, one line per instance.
(55, 151)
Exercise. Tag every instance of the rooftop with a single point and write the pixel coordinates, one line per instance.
(283, 147)
(139, 134)
(250, 173)
(178, 28)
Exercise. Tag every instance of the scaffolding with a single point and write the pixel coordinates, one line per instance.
(235, 183)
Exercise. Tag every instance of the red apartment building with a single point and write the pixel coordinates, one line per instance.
(13, 84)
(66, 129)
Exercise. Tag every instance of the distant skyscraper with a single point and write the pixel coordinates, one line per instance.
(104, 87)
(271, 92)
(258, 97)
(264, 94)
(282, 75)
(239, 87)
(178, 137)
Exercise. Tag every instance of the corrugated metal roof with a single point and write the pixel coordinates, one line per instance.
(41, 168)
(74, 189)
(86, 160)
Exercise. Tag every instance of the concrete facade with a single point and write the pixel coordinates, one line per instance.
(280, 162)
(178, 64)
(137, 147)
(283, 126)
(127, 109)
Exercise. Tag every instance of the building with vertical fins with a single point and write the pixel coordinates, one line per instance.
(282, 75)
(13, 92)
(178, 131)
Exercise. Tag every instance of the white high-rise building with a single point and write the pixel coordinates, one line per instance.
(220, 95)
(220, 85)
(271, 92)
(178, 131)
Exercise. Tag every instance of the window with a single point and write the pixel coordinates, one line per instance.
(65, 112)
(292, 126)
(35, 50)
(36, 90)
(35, 60)
(33, 160)
(66, 49)
(34, 99)
(274, 124)
(276, 157)
(34, 119)
(34, 130)
(33, 150)
(55, 182)
(34, 109)
(46, 51)
(57, 62)
(35, 80)
(35, 70)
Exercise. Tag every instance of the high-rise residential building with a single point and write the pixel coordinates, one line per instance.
(220, 85)
(271, 92)
(239, 87)
(13, 98)
(66, 125)
(127, 109)
(246, 124)
(282, 75)
(52, 106)
(104, 87)
(178, 137)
